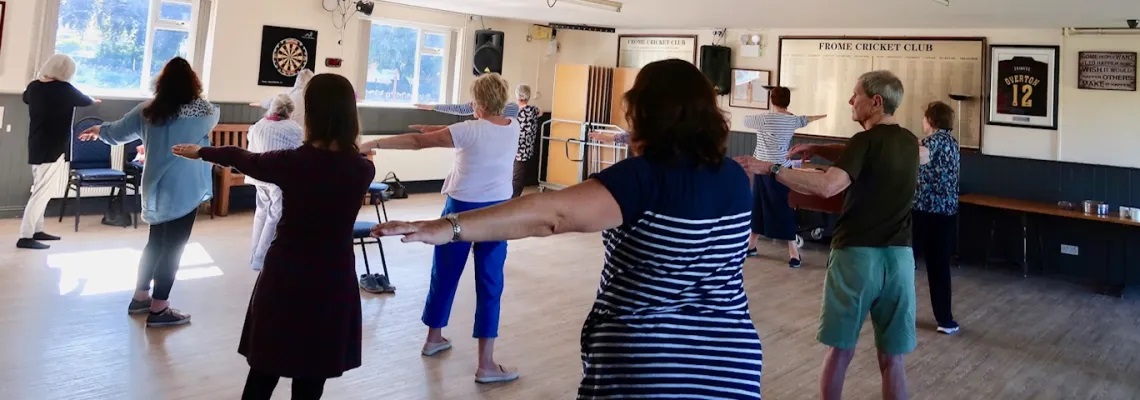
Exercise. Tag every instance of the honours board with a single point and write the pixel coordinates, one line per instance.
(822, 71)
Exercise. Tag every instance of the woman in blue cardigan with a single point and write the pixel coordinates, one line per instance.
(172, 187)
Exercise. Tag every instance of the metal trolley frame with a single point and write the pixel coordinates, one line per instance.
(605, 145)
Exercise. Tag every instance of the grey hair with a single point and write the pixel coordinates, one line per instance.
(886, 85)
(59, 67)
(281, 107)
(522, 92)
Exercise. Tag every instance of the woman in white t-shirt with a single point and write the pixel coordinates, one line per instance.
(276, 131)
(480, 177)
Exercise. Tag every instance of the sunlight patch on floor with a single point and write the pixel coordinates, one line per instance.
(115, 270)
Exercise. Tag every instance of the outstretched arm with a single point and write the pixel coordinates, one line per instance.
(125, 130)
(465, 109)
(411, 141)
(272, 166)
(585, 207)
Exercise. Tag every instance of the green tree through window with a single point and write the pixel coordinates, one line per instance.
(108, 40)
(406, 64)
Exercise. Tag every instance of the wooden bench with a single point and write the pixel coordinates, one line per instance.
(1025, 208)
(226, 178)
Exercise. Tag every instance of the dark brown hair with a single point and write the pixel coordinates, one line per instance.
(330, 113)
(781, 96)
(940, 115)
(673, 114)
(176, 86)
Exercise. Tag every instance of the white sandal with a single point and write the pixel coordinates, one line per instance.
(502, 376)
(431, 349)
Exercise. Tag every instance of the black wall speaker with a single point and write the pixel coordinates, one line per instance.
(488, 55)
(716, 64)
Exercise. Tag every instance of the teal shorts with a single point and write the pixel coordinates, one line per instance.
(875, 280)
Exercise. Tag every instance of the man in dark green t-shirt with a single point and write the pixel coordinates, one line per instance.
(871, 268)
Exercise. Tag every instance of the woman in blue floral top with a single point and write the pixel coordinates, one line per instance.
(936, 207)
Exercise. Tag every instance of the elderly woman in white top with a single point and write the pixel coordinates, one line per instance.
(481, 177)
(297, 94)
(276, 131)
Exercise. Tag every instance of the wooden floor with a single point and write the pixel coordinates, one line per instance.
(65, 334)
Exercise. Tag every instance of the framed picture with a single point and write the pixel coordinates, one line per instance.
(1106, 70)
(750, 88)
(284, 53)
(635, 51)
(1023, 86)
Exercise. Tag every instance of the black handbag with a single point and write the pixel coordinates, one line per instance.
(116, 214)
(396, 188)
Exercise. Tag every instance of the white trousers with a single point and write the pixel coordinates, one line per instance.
(44, 177)
(265, 220)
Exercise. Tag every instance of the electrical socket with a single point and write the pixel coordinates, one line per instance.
(1070, 250)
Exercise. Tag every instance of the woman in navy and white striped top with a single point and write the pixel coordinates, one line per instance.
(671, 316)
(772, 216)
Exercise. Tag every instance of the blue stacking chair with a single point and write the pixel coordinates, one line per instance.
(362, 234)
(90, 166)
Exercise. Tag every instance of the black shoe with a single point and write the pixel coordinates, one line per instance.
(752, 252)
(138, 307)
(168, 317)
(793, 263)
(44, 236)
(33, 244)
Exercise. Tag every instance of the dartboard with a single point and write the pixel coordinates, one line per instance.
(290, 56)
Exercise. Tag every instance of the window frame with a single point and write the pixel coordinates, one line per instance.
(199, 18)
(450, 35)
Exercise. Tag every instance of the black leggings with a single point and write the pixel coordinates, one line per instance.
(162, 254)
(259, 386)
(934, 236)
(519, 178)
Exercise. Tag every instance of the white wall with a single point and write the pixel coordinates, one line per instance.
(235, 40)
(16, 48)
(601, 49)
(1098, 126)
(233, 75)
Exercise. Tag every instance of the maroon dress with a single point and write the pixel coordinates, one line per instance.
(304, 316)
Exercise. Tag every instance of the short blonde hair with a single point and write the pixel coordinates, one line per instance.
(522, 92)
(59, 67)
(490, 93)
(281, 106)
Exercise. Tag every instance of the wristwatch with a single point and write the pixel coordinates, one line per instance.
(775, 169)
(455, 228)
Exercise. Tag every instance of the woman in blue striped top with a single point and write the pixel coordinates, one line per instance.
(671, 316)
(772, 216)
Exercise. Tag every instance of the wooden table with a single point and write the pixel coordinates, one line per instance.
(1026, 207)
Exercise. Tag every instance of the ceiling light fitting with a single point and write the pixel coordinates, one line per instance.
(942, 2)
(599, 4)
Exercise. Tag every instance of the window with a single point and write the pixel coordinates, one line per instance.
(120, 45)
(407, 64)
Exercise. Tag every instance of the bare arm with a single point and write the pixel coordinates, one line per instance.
(923, 155)
(813, 118)
(411, 141)
(829, 152)
(827, 184)
(585, 207)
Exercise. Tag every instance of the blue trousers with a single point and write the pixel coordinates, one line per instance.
(447, 268)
